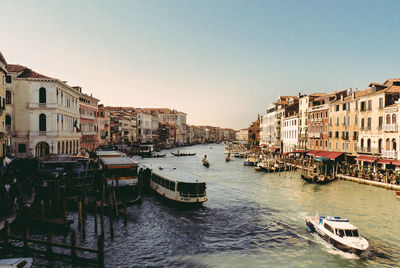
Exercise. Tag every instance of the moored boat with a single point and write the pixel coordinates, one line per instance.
(322, 173)
(16, 262)
(340, 233)
(177, 185)
(183, 154)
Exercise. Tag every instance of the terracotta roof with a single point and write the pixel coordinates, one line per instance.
(24, 72)
(318, 94)
(282, 102)
(2, 59)
(15, 68)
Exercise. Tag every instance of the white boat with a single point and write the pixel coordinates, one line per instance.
(17, 262)
(177, 185)
(340, 233)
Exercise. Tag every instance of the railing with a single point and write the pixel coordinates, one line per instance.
(390, 127)
(315, 135)
(359, 149)
(389, 154)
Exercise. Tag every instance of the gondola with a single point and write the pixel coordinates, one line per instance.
(206, 163)
(183, 154)
(322, 174)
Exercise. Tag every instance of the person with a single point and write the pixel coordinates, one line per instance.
(205, 157)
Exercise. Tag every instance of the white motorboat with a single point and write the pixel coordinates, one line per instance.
(16, 262)
(340, 233)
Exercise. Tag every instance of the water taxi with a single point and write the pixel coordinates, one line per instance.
(340, 233)
(177, 185)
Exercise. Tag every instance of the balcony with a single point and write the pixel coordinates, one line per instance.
(390, 127)
(370, 150)
(389, 154)
(88, 116)
(315, 135)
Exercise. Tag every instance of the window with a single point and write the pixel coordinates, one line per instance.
(380, 122)
(380, 103)
(393, 118)
(42, 122)
(355, 135)
(388, 119)
(42, 95)
(337, 120)
(369, 123)
(22, 148)
(330, 121)
(326, 143)
(8, 79)
(8, 97)
(344, 107)
(337, 108)
(356, 119)
(330, 134)
(362, 123)
(336, 134)
(326, 127)
(363, 108)
(370, 105)
(356, 105)
(8, 120)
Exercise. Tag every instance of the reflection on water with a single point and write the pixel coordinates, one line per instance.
(252, 219)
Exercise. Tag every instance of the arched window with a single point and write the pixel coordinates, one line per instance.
(394, 145)
(8, 97)
(369, 145)
(388, 119)
(42, 122)
(42, 95)
(362, 143)
(326, 129)
(326, 144)
(8, 120)
(394, 119)
(387, 145)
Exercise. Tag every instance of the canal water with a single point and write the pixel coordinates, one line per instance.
(252, 219)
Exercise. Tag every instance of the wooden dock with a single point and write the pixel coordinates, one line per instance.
(369, 182)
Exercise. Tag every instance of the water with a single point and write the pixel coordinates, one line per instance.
(252, 219)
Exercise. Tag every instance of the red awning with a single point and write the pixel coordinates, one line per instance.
(366, 158)
(396, 162)
(272, 148)
(313, 152)
(334, 155)
(300, 151)
(385, 161)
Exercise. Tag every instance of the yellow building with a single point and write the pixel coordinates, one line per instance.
(3, 134)
(344, 122)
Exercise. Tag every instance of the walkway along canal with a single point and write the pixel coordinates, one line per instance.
(251, 218)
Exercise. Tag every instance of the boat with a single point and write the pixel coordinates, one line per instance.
(177, 185)
(250, 161)
(154, 156)
(398, 194)
(183, 154)
(323, 173)
(16, 262)
(338, 232)
(205, 163)
(271, 165)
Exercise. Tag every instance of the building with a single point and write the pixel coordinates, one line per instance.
(254, 133)
(88, 121)
(44, 114)
(4, 119)
(290, 128)
(304, 104)
(280, 106)
(318, 120)
(242, 135)
(103, 123)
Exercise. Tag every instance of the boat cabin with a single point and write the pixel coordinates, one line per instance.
(113, 153)
(340, 227)
(178, 185)
(120, 171)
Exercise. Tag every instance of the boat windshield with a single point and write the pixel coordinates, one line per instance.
(192, 189)
(351, 233)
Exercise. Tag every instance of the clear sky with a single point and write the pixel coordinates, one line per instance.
(221, 62)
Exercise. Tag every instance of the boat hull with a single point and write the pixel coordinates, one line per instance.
(336, 244)
(249, 163)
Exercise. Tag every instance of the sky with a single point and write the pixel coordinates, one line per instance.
(221, 62)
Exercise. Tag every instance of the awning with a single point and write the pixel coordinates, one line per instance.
(313, 152)
(366, 158)
(385, 161)
(300, 151)
(272, 148)
(396, 162)
(334, 155)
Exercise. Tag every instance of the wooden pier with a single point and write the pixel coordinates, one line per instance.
(369, 182)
